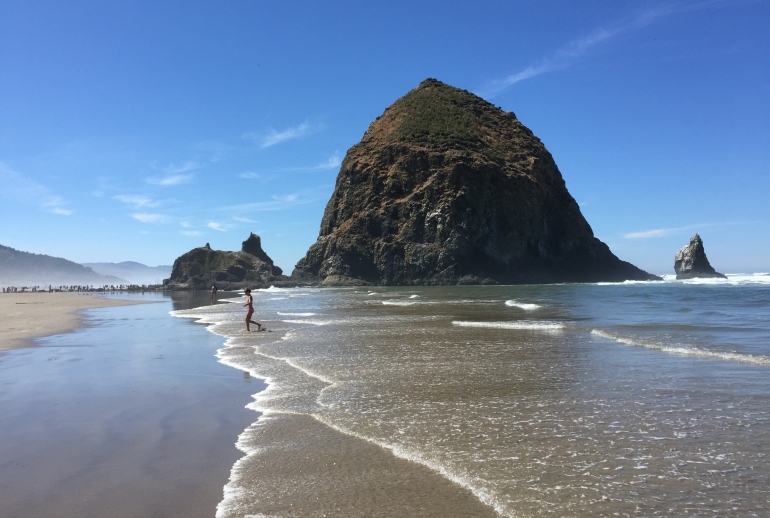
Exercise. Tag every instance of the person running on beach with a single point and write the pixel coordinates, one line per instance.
(250, 304)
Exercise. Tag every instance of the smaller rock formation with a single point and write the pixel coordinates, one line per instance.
(691, 262)
(250, 267)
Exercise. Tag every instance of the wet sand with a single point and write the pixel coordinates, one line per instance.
(131, 416)
(301, 467)
(25, 316)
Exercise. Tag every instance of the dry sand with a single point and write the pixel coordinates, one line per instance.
(25, 316)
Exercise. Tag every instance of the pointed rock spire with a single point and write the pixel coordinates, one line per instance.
(691, 262)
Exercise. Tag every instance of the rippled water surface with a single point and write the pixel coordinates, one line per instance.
(642, 399)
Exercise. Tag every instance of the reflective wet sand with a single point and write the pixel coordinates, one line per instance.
(300, 467)
(25, 316)
(129, 417)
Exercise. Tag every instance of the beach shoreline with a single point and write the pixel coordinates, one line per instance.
(295, 464)
(27, 316)
(130, 415)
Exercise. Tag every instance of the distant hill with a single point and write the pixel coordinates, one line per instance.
(133, 272)
(25, 269)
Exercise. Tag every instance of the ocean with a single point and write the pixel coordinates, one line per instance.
(610, 399)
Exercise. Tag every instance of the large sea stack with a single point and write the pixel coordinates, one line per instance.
(250, 267)
(691, 262)
(445, 188)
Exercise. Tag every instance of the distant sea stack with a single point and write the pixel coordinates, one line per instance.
(691, 262)
(250, 267)
(445, 188)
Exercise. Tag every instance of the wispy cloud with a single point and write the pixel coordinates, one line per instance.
(287, 198)
(174, 179)
(567, 55)
(191, 233)
(190, 165)
(175, 174)
(657, 232)
(332, 162)
(663, 232)
(17, 187)
(283, 202)
(276, 137)
(215, 150)
(136, 200)
(146, 217)
(243, 220)
(218, 226)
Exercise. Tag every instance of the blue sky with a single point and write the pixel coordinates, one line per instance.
(140, 130)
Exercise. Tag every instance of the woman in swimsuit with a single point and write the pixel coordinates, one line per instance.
(250, 304)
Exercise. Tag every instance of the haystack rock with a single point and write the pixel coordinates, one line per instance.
(691, 262)
(445, 188)
(201, 267)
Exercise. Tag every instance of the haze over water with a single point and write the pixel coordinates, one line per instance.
(635, 399)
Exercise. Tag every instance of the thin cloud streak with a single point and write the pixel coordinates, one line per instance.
(17, 187)
(173, 169)
(145, 217)
(278, 203)
(277, 137)
(656, 232)
(568, 54)
(218, 226)
(176, 179)
(136, 200)
(289, 134)
(332, 162)
(663, 232)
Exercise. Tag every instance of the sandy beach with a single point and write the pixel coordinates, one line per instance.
(130, 415)
(25, 316)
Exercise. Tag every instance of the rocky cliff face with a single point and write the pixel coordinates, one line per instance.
(445, 188)
(691, 262)
(201, 267)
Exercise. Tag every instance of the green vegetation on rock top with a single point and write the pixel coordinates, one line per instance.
(438, 114)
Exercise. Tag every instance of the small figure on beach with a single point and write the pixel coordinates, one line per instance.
(250, 311)
(213, 293)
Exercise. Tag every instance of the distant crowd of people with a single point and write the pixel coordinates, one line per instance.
(76, 288)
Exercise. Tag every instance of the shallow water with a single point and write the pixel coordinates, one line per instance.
(635, 399)
(130, 417)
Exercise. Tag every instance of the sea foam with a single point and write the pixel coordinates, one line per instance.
(398, 303)
(522, 305)
(686, 350)
(530, 325)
